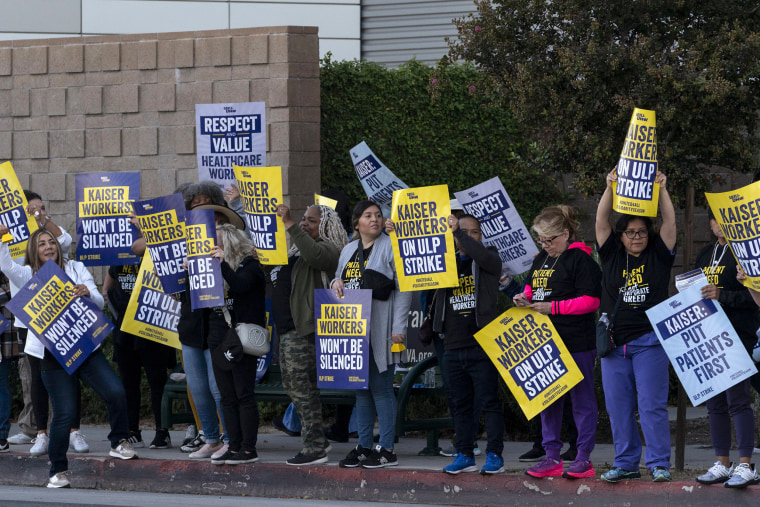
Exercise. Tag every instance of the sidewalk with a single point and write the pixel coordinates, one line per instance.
(417, 479)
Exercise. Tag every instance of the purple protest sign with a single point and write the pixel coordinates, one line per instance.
(204, 273)
(69, 327)
(342, 336)
(162, 223)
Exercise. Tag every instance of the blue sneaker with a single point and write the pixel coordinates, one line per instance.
(494, 464)
(661, 474)
(617, 474)
(461, 464)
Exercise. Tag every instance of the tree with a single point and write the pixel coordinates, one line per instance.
(573, 71)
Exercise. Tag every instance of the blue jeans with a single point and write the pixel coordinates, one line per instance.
(202, 384)
(377, 401)
(62, 389)
(5, 398)
(471, 376)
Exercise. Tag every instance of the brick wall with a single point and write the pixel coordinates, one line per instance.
(127, 103)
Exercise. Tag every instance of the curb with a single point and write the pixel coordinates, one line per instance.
(383, 485)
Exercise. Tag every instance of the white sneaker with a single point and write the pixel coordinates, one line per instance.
(59, 480)
(40, 446)
(716, 474)
(744, 475)
(206, 451)
(20, 439)
(221, 452)
(77, 442)
(124, 450)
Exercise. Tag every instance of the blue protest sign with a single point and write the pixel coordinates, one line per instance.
(262, 365)
(377, 180)
(342, 334)
(204, 273)
(162, 223)
(69, 327)
(104, 231)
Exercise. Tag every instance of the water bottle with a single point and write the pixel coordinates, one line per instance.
(430, 377)
(603, 319)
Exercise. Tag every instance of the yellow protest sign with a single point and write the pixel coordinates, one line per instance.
(13, 212)
(531, 358)
(325, 201)
(152, 314)
(261, 193)
(738, 215)
(423, 245)
(635, 192)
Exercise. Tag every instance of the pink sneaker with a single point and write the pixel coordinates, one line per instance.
(206, 451)
(579, 469)
(549, 467)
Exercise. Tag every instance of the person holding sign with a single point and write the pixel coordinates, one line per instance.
(459, 313)
(565, 284)
(636, 264)
(317, 241)
(368, 263)
(719, 266)
(94, 371)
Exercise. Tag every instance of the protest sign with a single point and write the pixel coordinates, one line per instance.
(738, 215)
(423, 245)
(262, 365)
(703, 347)
(152, 314)
(325, 201)
(204, 273)
(162, 223)
(227, 135)
(342, 336)
(531, 358)
(500, 224)
(104, 231)
(635, 192)
(261, 193)
(377, 180)
(69, 327)
(416, 351)
(13, 212)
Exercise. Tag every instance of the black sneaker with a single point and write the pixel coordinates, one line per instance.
(4, 445)
(195, 444)
(242, 457)
(135, 438)
(162, 440)
(278, 424)
(331, 434)
(570, 454)
(380, 458)
(355, 457)
(535, 454)
(222, 460)
(312, 458)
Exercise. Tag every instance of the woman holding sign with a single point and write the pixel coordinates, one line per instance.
(719, 266)
(94, 371)
(636, 264)
(565, 284)
(367, 263)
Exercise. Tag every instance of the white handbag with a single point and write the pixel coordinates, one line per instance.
(253, 338)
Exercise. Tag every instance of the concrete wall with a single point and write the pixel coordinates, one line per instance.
(127, 103)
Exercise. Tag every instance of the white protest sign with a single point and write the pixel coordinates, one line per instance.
(377, 180)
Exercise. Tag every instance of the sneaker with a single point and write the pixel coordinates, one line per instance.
(162, 440)
(535, 454)
(195, 444)
(380, 458)
(744, 475)
(242, 457)
(355, 458)
(617, 474)
(304, 459)
(124, 450)
(451, 451)
(59, 480)
(331, 434)
(494, 464)
(461, 464)
(222, 460)
(579, 469)
(661, 474)
(476, 450)
(570, 454)
(716, 474)
(221, 452)
(549, 467)
(135, 438)
(278, 424)
(20, 439)
(190, 433)
(4, 445)
(40, 446)
(77, 442)
(207, 451)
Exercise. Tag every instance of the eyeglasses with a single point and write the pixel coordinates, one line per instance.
(641, 233)
(547, 241)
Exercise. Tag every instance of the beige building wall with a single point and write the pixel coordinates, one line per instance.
(127, 103)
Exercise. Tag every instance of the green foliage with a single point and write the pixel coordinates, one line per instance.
(573, 70)
(430, 126)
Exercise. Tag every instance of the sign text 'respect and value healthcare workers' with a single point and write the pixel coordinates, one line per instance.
(635, 192)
